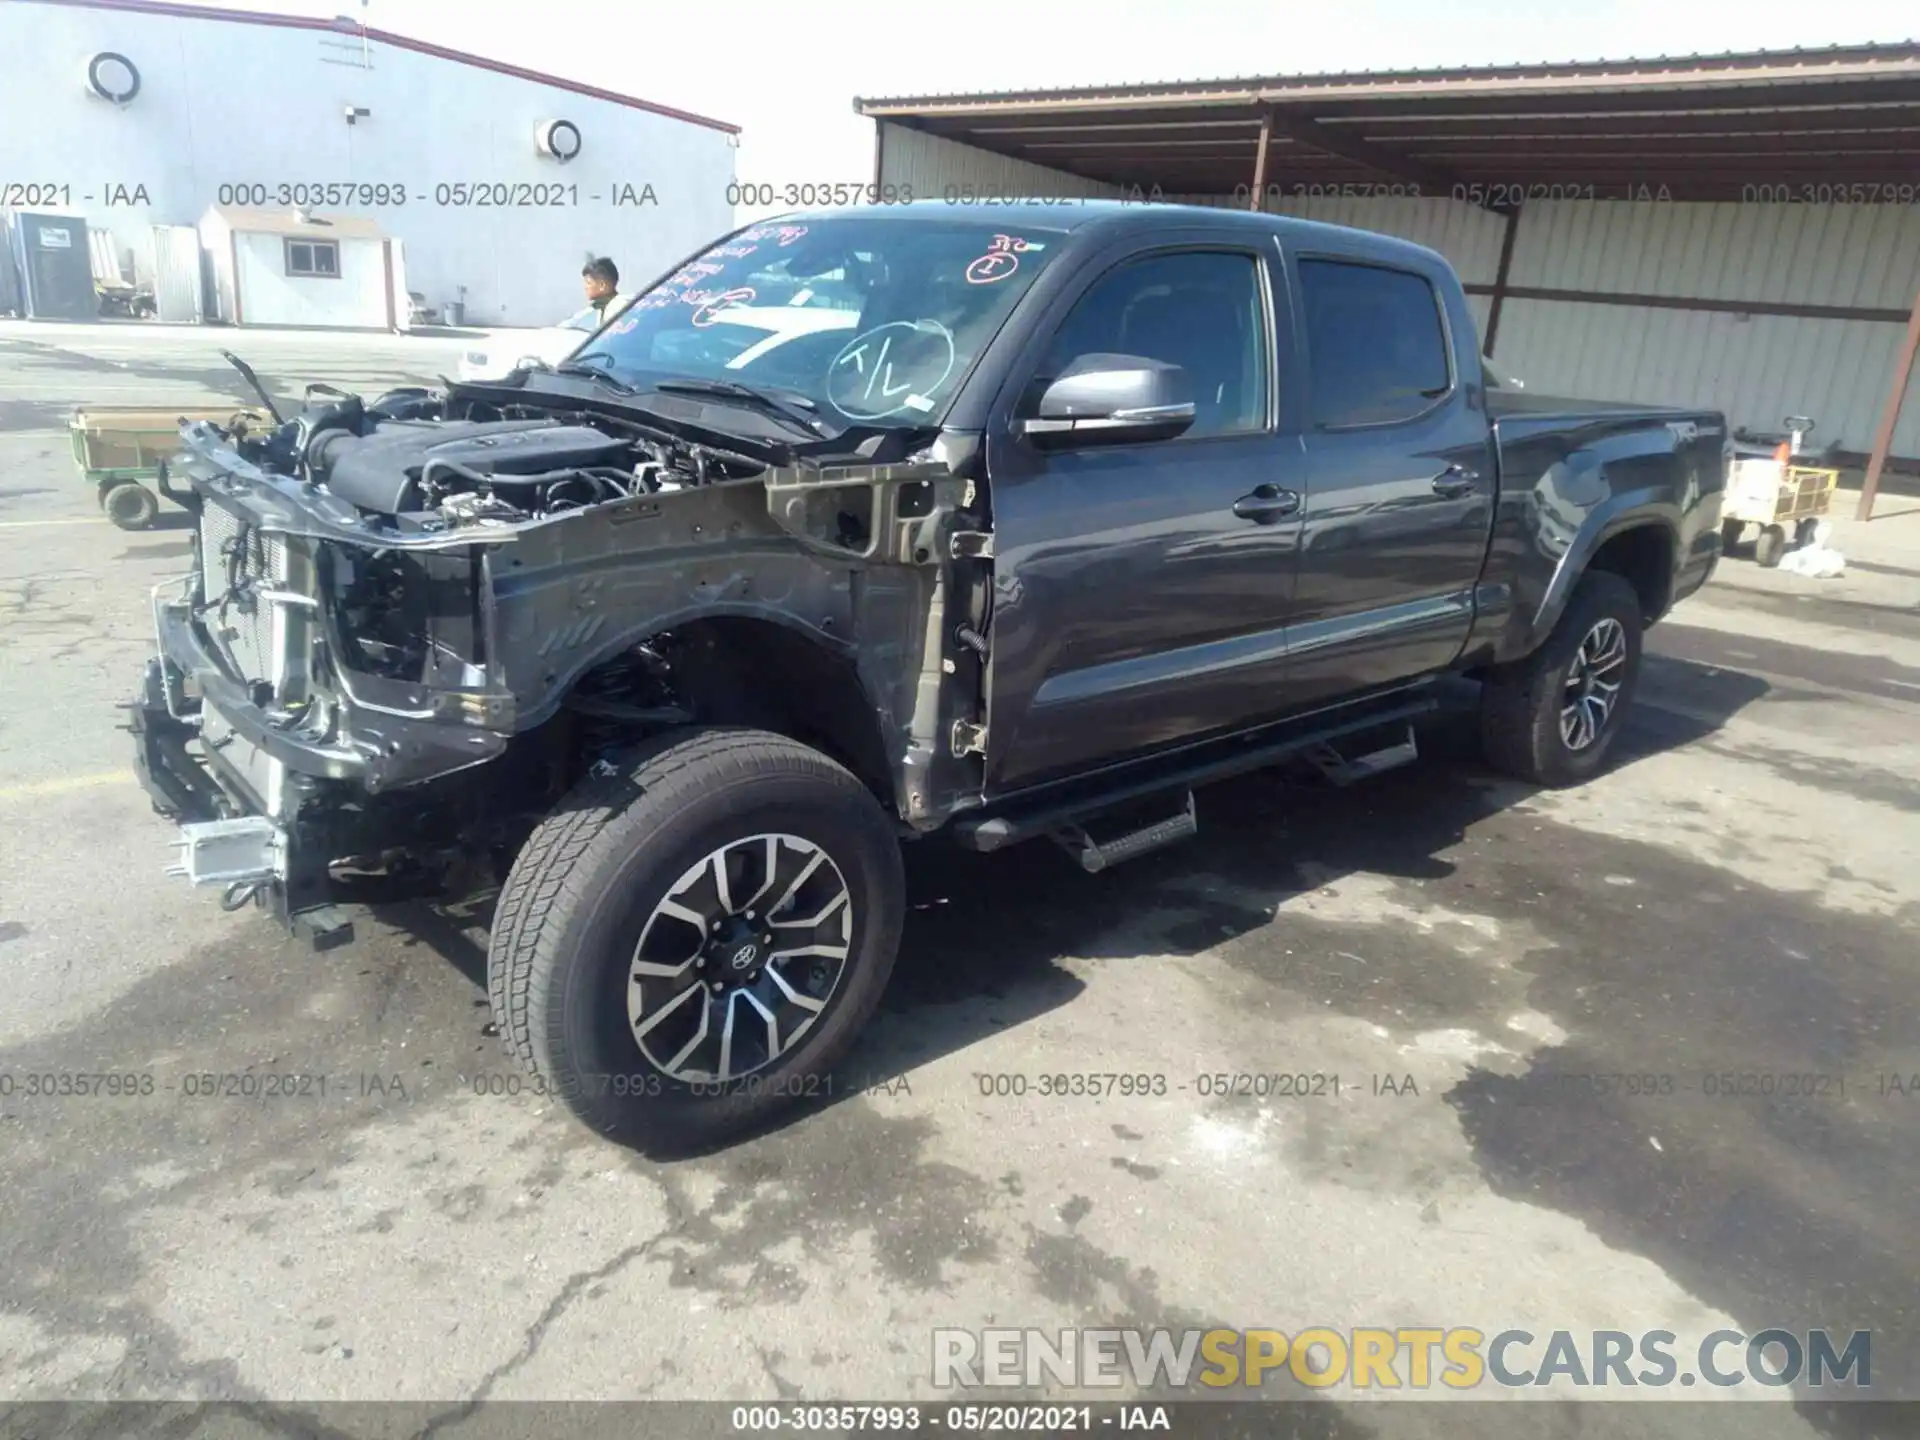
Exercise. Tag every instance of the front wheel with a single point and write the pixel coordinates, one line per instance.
(1550, 718)
(690, 944)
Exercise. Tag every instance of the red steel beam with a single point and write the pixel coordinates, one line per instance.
(1883, 439)
(1260, 160)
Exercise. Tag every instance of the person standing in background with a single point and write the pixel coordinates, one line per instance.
(600, 278)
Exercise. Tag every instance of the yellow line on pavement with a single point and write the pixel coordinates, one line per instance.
(30, 524)
(65, 784)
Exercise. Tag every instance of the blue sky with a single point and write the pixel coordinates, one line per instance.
(787, 72)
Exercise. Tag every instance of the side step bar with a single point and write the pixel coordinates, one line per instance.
(1342, 771)
(1059, 808)
(1096, 855)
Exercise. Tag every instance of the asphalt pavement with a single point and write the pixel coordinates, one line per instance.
(376, 1215)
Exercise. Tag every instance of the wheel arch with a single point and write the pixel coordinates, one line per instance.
(755, 666)
(1634, 535)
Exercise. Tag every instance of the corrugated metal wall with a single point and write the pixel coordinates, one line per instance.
(935, 168)
(1758, 368)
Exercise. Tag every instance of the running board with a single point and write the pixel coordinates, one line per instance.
(1095, 854)
(1061, 806)
(1342, 771)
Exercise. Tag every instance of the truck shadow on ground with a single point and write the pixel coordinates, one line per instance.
(1772, 1203)
(984, 936)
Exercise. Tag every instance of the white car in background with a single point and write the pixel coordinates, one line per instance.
(505, 353)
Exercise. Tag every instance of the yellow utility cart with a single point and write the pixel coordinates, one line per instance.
(1766, 488)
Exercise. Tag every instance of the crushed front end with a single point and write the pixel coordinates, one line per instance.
(411, 624)
(310, 672)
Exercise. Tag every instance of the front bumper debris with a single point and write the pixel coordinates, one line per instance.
(246, 849)
(224, 838)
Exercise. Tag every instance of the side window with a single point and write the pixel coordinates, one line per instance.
(1200, 310)
(1376, 349)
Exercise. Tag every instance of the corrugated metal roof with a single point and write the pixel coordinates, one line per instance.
(1837, 124)
(1866, 52)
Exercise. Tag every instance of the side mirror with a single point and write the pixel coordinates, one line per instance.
(1107, 398)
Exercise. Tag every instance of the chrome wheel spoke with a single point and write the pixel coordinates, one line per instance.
(674, 909)
(643, 1028)
(721, 889)
(769, 873)
(793, 996)
(815, 920)
(793, 886)
(801, 952)
(674, 1066)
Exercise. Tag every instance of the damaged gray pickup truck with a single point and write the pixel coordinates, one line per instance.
(1007, 523)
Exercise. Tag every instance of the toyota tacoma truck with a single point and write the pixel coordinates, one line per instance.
(1010, 523)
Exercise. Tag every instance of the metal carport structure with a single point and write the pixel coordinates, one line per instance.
(1726, 220)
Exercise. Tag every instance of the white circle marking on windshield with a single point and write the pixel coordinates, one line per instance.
(899, 359)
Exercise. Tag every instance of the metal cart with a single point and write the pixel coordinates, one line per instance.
(121, 452)
(1766, 488)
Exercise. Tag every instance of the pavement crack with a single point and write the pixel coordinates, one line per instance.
(570, 1290)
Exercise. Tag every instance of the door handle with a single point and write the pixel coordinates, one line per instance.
(1455, 481)
(1266, 504)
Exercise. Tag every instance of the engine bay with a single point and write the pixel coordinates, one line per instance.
(416, 456)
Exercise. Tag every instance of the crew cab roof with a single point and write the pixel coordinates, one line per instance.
(1100, 219)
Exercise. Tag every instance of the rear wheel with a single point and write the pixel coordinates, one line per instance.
(130, 505)
(1730, 532)
(1551, 718)
(690, 945)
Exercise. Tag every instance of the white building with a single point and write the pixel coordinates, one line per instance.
(497, 182)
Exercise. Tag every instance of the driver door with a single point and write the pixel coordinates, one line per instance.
(1133, 607)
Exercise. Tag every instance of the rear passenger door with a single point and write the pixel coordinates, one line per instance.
(1400, 477)
(1134, 607)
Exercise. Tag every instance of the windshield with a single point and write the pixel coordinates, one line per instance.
(873, 319)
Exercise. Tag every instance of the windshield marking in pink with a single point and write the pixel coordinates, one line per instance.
(1000, 261)
(687, 274)
(726, 300)
(783, 234)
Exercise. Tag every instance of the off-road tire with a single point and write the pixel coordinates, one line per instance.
(583, 886)
(1520, 703)
(129, 505)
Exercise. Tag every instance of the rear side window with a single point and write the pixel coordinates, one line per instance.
(1377, 351)
(1200, 310)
